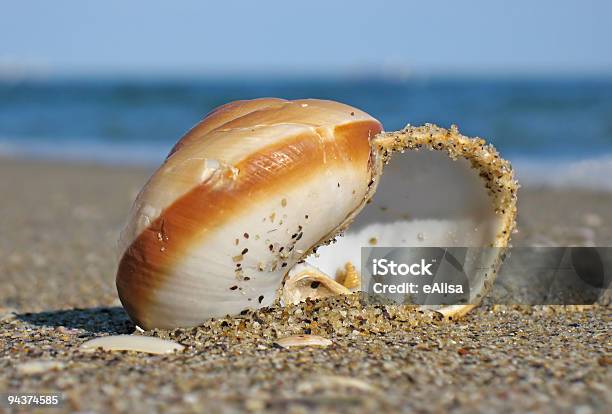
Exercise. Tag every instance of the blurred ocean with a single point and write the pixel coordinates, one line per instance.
(556, 131)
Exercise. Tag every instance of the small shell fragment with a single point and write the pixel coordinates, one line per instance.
(305, 281)
(137, 343)
(327, 382)
(454, 311)
(39, 367)
(303, 340)
(349, 277)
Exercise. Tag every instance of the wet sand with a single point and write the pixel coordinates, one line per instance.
(59, 224)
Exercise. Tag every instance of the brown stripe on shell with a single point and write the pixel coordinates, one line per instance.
(151, 258)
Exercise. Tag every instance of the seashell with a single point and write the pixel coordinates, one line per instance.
(303, 340)
(327, 382)
(39, 366)
(455, 311)
(259, 186)
(350, 277)
(307, 282)
(137, 343)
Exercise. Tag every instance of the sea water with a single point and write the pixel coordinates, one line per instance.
(555, 131)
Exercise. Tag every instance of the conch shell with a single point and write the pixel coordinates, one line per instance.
(258, 186)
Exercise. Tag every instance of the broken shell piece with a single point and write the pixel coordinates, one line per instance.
(439, 189)
(303, 340)
(455, 311)
(137, 343)
(307, 282)
(39, 366)
(212, 238)
(327, 382)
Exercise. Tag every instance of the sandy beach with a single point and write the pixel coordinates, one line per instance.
(59, 224)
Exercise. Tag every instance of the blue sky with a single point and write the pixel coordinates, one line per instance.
(306, 37)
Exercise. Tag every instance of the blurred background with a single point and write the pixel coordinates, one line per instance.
(119, 82)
